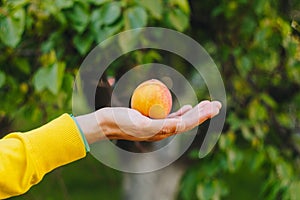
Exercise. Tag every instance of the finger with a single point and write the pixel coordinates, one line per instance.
(199, 114)
(218, 104)
(185, 109)
(191, 118)
(181, 111)
(206, 111)
(202, 103)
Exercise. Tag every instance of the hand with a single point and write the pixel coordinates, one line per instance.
(128, 124)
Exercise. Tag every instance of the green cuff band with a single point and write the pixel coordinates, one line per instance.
(86, 144)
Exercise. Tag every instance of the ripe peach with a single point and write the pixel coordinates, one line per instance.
(153, 99)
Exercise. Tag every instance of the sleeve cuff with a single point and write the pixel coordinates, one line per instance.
(86, 144)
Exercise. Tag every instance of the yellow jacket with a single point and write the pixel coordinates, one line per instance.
(26, 157)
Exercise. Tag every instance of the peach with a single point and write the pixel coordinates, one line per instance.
(153, 99)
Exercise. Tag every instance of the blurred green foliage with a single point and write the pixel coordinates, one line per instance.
(43, 43)
(254, 44)
(257, 156)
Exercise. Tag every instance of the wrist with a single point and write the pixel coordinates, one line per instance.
(90, 128)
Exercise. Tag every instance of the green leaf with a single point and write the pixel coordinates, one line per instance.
(63, 4)
(218, 10)
(295, 25)
(98, 26)
(178, 19)
(225, 141)
(61, 18)
(267, 99)
(274, 191)
(111, 12)
(257, 111)
(205, 191)
(22, 64)
(260, 6)
(189, 183)
(97, 19)
(49, 44)
(155, 7)
(98, 2)
(234, 159)
(260, 36)
(294, 191)
(135, 17)
(257, 161)
(212, 190)
(296, 140)
(101, 33)
(2, 79)
(182, 4)
(39, 80)
(67, 84)
(284, 171)
(258, 130)
(284, 120)
(16, 4)
(80, 104)
(83, 43)
(79, 17)
(49, 78)
(56, 77)
(244, 65)
(211, 169)
(273, 154)
(12, 28)
(128, 41)
(246, 132)
(115, 28)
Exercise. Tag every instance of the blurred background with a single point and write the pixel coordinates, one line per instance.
(255, 44)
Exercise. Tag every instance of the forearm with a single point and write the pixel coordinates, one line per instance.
(27, 157)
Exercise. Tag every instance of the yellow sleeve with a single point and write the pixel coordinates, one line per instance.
(26, 157)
